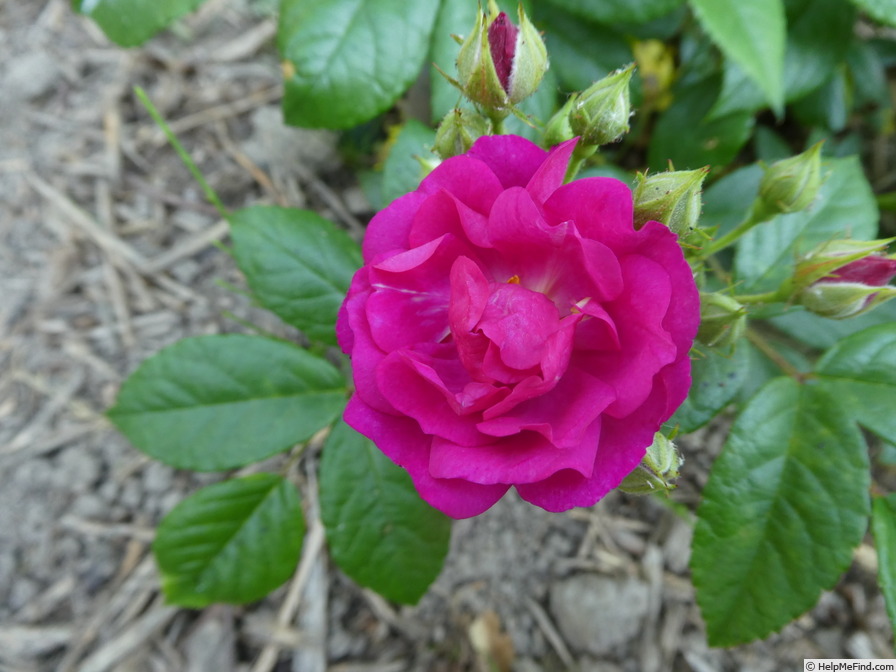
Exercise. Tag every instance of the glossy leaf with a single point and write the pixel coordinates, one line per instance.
(716, 379)
(234, 542)
(880, 10)
(786, 503)
(379, 531)
(712, 142)
(218, 402)
(574, 60)
(883, 525)
(861, 372)
(845, 207)
(753, 34)
(619, 11)
(132, 22)
(819, 35)
(403, 171)
(298, 264)
(822, 333)
(349, 60)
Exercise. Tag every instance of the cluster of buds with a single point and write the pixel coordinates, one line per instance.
(845, 278)
(501, 64)
(657, 470)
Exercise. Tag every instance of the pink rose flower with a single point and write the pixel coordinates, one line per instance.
(509, 330)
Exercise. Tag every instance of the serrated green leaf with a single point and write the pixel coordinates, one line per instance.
(879, 10)
(713, 142)
(845, 206)
(402, 171)
(218, 402)
(132, 22)
(861, 371)
(716, 379)
(822, 333)
(819, 35)
(298, 265)
(786, 502)
(234, 542)
(378, 529)
(883, 525)
(619, 11)
(753, 34)
(349, 60)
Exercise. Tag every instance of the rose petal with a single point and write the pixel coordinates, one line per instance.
(523, 458)
(511, 158)
(550, 174)
(404, 443)
(561, 416)
(623, 444)
(469, 180)
(389, 228)
(415, 389)
(600, 207)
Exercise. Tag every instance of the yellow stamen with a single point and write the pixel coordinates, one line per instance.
(513, 280)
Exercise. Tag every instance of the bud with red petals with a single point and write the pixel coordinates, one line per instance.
(852, 289)
(501, 64)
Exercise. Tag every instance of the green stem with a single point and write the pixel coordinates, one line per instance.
(580, 155)
(766, 349)
(757, 215)
(210, 194)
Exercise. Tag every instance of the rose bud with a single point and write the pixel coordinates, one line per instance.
(458, 131)
(557, 129)
(852, 289)
(826, 258)
(722, 320)
(601, 112)
(501, 64)
(659, 466)
(672, 198)
(792, 184)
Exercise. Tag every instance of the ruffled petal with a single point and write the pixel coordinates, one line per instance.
(389, 228)
(524, 458)
(514, 160)
(402, 441)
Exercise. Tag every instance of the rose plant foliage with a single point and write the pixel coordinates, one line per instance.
(516, 318)
(511, 330)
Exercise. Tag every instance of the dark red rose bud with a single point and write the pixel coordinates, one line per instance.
(502, 44)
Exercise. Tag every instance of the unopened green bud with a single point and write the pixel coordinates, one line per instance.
(722, 320)
(601, 112)
(459, 129)
(558, 129)
(792, 184)
(673, 198)
(841, 300)
(658, 468)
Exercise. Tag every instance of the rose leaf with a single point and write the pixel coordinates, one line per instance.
(378, 529)
(234, 541)
(786, 503)
(218, 402)
(298, 265)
